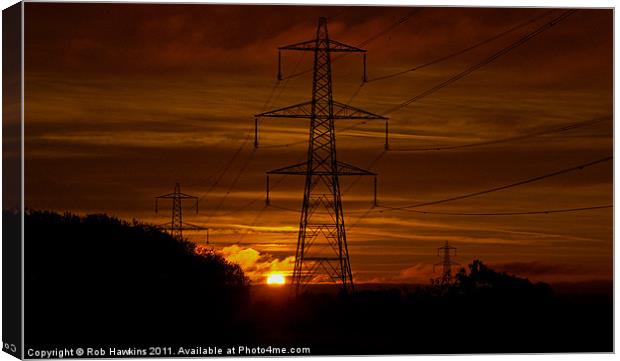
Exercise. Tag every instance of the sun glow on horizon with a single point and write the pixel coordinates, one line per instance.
(276, 279)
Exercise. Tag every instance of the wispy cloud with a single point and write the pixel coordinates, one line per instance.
(119, 108)
(256, 265)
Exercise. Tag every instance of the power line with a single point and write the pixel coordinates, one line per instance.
(482, 63)
(246, 205)
(564, 128)
(226, 167)
(357, 90)
(249, 229)
(367, 41)
(344, 192)
(199, 181)
(176, 226)
(286, 79)
(283, 208)
(258, 199)
(464, 50)
(259, 214)
(292, 210)
(322, 249)
(363, 43)
(446, 252)
(511, 185)
(362, 217)
(233, 184)
(450, 56)
(387, 30)
(355, 93)
(515, 213)
(357, 179)
(407, 208)
(222, 172)
(276, 84)
(459, 76)
(350, 127)
(277, 183)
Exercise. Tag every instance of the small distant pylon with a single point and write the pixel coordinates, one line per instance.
(446, 252)
(176, 226)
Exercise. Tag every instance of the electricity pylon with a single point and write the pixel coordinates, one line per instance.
(322, 253)
(176, 226)
(446, 252)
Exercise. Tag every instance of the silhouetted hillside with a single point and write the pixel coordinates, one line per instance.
(96, 278)
(483, 311)
(483, 283)
(99, 281)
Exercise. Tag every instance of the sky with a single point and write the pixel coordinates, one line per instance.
(124, 100)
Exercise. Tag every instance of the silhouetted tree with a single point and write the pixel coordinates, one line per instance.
(97, 280)
(481, 280)
(85, 275)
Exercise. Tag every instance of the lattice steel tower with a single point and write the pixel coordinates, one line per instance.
(322, 253)
(176, 226)
(446, 252)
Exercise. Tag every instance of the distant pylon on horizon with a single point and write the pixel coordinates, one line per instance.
(446, 252)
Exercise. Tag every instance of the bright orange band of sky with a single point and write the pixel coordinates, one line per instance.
(124, 100)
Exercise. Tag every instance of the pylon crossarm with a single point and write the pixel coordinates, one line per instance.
(193, 227)
(348, 169)
(335, 259)
(309, 45)
(176, 195)
(337, 46)
(344, 169)
(304, 111)
(176, 226)
(186, 226)
(183, 195)
(295, 169)
(301, 110)
(345, 111)
(333, 46)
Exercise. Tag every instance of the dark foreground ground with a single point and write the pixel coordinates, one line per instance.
(100, 282)
(394, 321)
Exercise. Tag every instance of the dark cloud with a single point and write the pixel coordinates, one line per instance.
(109, 38)
(536, 269)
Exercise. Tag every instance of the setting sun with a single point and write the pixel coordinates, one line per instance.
(276, 279)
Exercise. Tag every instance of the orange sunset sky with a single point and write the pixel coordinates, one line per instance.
(124, 100)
